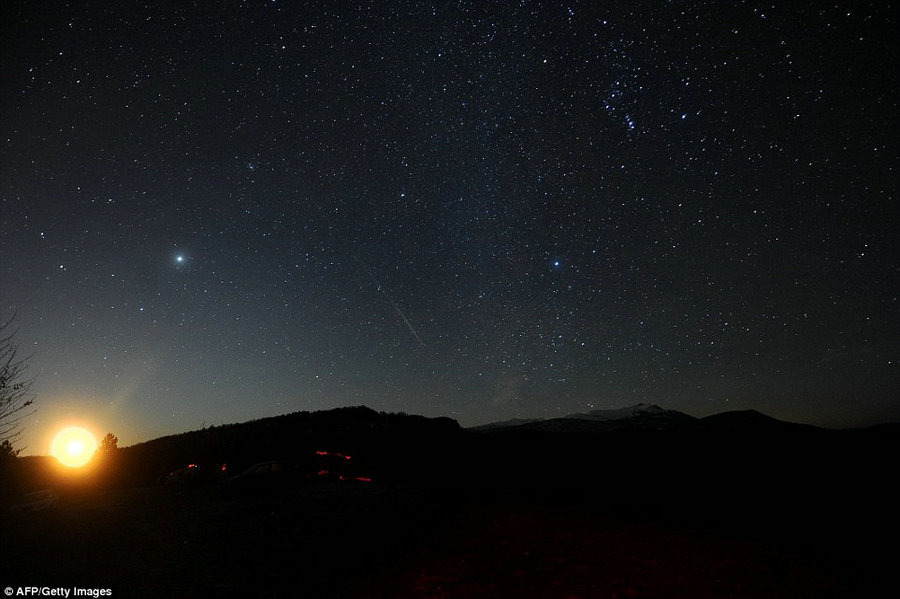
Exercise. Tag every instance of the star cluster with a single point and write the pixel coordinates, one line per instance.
(474, 209)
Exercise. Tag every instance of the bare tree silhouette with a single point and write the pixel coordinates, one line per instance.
(16, 398)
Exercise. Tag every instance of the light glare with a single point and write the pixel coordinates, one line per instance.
(73, 446)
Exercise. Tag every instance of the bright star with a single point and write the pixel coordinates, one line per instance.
(180, 260)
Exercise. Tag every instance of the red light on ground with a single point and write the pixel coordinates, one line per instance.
(329, 453)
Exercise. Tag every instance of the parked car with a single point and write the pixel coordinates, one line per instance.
(261, 476)
(35, 502)
(194, 474)
(182, 475)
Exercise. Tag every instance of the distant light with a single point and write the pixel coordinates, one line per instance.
(73, 446)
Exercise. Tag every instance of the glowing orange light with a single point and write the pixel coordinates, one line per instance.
(73, 446)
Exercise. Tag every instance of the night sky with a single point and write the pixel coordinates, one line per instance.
(484, 210)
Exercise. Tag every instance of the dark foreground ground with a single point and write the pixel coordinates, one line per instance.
(373, 540)
(640, 514)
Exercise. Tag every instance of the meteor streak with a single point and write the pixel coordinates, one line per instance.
(397, 309)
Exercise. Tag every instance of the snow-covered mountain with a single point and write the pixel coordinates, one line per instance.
(639, 416)
(641, 411)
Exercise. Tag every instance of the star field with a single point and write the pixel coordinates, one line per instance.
(483, 210)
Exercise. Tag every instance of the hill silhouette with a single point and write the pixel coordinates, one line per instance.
(521, 503)
(385, 439)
